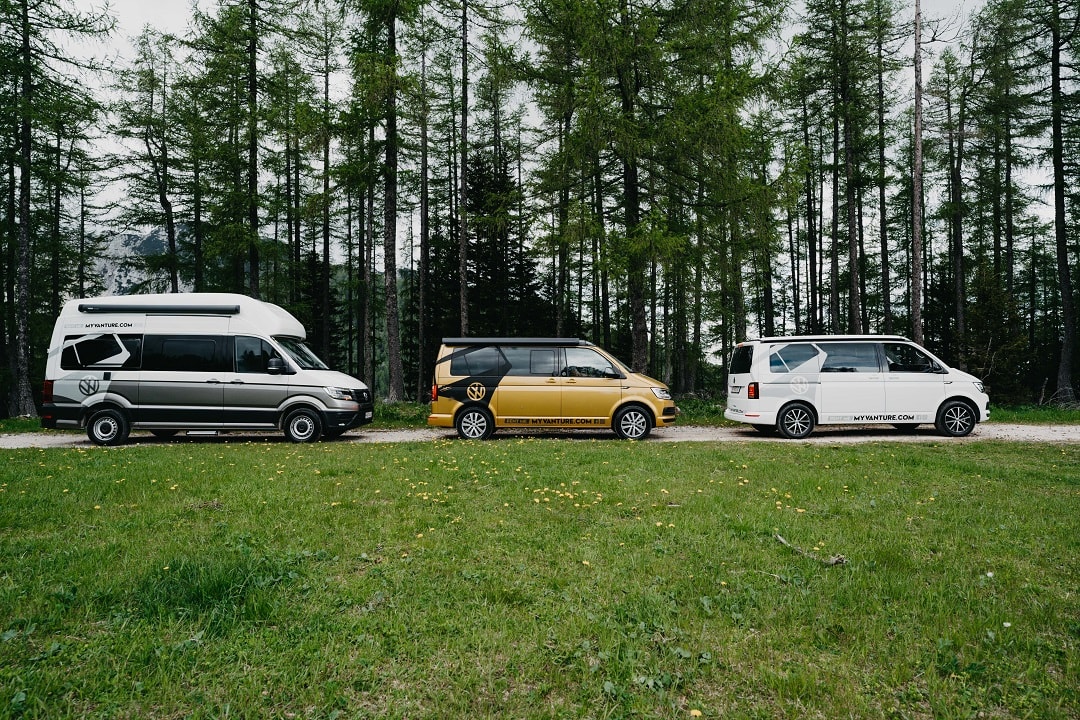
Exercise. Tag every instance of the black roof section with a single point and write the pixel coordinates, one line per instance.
(458, 341)
(151, 309)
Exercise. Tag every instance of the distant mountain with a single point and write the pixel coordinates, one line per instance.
(122, 268)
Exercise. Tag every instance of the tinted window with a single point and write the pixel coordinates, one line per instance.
(100, 351)
(791, 357)
(253, 354)
(190, 353)
(529, 361)
(301, 354)
(741, 359)
(908, 358)
(850, 357)
(583, 362)
(478, 361)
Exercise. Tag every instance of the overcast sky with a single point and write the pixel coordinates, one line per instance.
(173, 15)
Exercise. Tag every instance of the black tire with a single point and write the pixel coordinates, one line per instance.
(632, 422)
(795, 421)
(108, 427)
(303, 425)
(163, 433)
(765, 429)
(905, 427)
(955, 418)
(474, 423)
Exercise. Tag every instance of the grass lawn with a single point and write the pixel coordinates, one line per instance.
(540, 578)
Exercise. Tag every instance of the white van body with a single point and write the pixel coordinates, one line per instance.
(791, 384)
(192, 361)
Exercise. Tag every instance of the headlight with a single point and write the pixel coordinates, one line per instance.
(661, 393)
(339, 393)
(978, 386)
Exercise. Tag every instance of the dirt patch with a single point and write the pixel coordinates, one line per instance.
(685, 433)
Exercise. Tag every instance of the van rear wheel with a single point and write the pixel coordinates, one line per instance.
(475, 423)
(795, 421)
(107, 427)
(303, 426)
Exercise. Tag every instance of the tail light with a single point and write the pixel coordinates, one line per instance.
(752, 391)
(434, 392)
(47, 392)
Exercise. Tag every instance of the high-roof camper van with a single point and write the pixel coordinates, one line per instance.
(192, 361)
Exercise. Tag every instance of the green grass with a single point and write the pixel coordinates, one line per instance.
(540, 578)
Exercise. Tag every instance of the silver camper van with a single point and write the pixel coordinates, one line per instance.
(192, 361)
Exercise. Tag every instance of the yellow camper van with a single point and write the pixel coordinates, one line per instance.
(482, 384)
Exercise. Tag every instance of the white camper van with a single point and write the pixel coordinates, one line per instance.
(192, 361)
(790, 384)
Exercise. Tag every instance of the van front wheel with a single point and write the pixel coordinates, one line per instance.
(303, 426)
(795, 421)
(475, 423)
(632, 423)
(108, 427)
(955, 419)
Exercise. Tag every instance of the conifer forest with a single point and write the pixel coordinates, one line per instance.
(662, 177)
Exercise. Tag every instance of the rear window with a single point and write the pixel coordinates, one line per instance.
(478, 361)
(741, 359)
(100, 351)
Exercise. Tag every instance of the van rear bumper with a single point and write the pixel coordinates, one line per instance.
(61, 416)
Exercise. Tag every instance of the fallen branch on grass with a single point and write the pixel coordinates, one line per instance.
(834, 560)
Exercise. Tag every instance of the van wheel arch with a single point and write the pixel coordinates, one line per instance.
(633, 421)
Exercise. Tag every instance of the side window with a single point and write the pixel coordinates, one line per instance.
(850, 357)
(190, 353)
(583, 362)
(253, 354)
(101, 351)
(792, 358)
(908, 358)
(486, 360)
(530, 361)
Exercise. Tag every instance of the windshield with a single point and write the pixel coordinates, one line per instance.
(301, 354)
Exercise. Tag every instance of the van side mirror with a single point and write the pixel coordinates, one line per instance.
(275, 366)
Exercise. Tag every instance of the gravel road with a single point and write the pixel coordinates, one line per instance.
(685, 433)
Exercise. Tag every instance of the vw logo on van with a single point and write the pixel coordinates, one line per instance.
(89, 386)
(799, 385)
(477, 391)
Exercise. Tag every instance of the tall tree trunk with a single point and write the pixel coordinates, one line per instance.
(1065, 394)
(396, 388)
(463, 224)
(22, 399)
(324, 280)
(425, 238)
(917, 190)
(882, 183)
(253, 147)
(811, 237)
